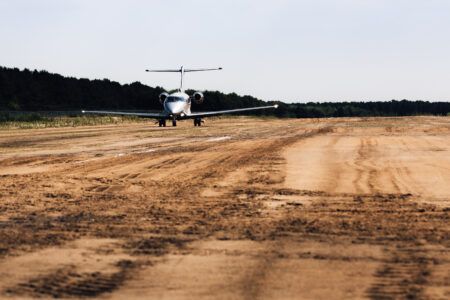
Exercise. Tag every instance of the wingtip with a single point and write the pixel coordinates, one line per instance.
(275, 106)
(83, 111)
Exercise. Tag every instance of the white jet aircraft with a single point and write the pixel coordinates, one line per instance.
(177, 106)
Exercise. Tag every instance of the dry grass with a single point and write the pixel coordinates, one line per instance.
(66, 121)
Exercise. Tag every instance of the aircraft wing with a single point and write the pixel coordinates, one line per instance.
(143, 115)
(229, 111)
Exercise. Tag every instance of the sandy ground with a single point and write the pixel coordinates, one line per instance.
(238, 209)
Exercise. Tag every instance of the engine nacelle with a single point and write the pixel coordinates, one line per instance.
(163, 97)
(198, 97)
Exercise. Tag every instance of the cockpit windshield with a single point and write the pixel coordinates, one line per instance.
(174, 99)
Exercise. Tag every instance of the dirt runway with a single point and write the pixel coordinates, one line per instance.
(241, 208)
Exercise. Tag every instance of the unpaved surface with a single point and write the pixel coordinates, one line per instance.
(239, 209)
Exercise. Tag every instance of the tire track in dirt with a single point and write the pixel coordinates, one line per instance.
(405, 274)
(394, 220)
(366, 177)
(67, 283)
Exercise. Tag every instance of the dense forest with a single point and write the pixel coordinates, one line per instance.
(25, 90)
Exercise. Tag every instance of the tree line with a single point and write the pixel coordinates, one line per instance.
(26, 90)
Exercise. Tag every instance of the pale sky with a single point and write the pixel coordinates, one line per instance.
(294, 51)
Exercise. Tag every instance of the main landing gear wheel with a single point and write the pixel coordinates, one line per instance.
(197, 122)
(174, 122)
(162, 123)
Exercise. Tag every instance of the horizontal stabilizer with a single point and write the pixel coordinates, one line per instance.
(198, 70)
(184, 70)
(179, 70)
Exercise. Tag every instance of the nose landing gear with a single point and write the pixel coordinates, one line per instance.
(198, 122)
(174, 122)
